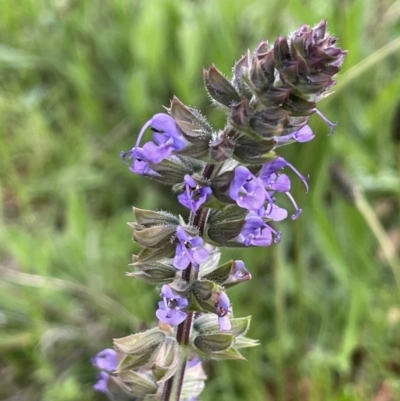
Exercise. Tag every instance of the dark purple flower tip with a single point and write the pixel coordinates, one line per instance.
(102, 382)
(169, 309)
(240, 271)
(189, 250)
(106, 360)
(194, 195)
(247, 190)
(330, 124)
(304, 134)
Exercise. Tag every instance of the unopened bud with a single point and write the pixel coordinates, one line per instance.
(219, 87)
(138, 384)
(217, 342)
(140, 343)
(166, 359)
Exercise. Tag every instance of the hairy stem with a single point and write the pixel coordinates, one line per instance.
(173, 386)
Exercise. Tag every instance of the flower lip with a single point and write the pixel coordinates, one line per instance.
(169, 309)
(106, 360)
(189, 250)
(247, 190)
(102, 383)
(194, 196)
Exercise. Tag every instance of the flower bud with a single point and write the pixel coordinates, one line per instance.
(195, 129)
(150, 218)
(224, 226)
(219, 87)
(222, 147)
(154, 273)
(153, 237)
(142, 343)
(215, 342)
(229, 274)
(138, 384)
(208, 323)
(165, 360)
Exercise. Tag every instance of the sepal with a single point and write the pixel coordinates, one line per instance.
(208, 323)
(150, 218)
(153, 237)
(214, 342)
(143, 343)
(153, 273)
(227, 275)
(138, 384)
(224, 226)
(165, 360)
(219, 88)
(194, 127)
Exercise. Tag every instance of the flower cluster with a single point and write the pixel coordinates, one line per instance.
(231, 182)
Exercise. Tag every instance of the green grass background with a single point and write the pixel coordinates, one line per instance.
(78, 78)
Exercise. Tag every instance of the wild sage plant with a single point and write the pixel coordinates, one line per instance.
(231, 182)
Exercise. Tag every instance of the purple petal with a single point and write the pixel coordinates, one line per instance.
(173, 317)
(181, 234)
(252, 201)
(156, 154)
(167, 292)
(224, 323)
(164, 123)
(276, 213)
(106, 360)
(181, 260)
(281, 184)
(304, 134)
(102, 382)
(200, 255)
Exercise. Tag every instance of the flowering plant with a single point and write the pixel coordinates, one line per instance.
(231, 182)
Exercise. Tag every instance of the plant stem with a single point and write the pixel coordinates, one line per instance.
(173, 386)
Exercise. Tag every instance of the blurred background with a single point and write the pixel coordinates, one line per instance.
(78, 78)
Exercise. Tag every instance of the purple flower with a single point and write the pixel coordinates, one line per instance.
(278, 164)
(194, 195)
(167, 138)
(189, 250)
(274, 181)
(222, 307)
(247, 190)
(240, 271)
(139, 163)
(169, 309)
(102, 382)
(304, 134)
(106, 360)
(256, 232)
